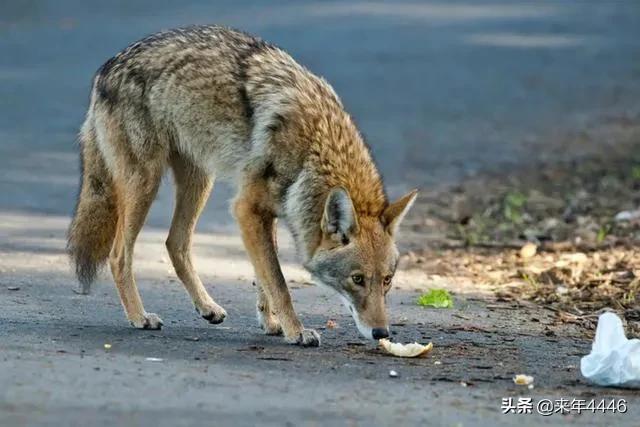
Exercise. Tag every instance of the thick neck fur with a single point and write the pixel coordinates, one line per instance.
(336, 157)
(339, 158)
(304, 118)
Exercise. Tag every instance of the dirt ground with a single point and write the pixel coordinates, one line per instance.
(561, 233)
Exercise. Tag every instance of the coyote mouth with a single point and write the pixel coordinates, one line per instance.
(365, 330)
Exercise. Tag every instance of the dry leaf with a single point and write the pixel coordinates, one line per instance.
(528, 250)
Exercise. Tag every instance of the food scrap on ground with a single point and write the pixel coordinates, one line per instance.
(405, 350)
(437, 298)
(522, 379)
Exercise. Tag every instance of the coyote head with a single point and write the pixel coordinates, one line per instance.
(357, 257)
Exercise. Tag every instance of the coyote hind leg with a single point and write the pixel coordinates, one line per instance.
(193, 187)
(136, 192)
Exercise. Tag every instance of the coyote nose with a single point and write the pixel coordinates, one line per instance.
(379, 333)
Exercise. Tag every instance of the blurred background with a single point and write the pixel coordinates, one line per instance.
(441, 90)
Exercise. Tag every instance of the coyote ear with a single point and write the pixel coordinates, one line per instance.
(339, 220)
(395, 212)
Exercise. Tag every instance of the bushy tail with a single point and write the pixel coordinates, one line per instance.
(93, 227)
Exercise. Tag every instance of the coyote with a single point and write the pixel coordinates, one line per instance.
(210, 102)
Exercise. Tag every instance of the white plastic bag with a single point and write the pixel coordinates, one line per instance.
(614, 360)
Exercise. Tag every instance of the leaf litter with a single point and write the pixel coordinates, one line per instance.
(564, 235)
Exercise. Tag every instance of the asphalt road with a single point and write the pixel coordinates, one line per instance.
(55, 370)
(440, 89)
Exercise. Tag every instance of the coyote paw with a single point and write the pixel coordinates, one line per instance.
(269, 324)
(213, 313)
(308, 338)
(147, 321)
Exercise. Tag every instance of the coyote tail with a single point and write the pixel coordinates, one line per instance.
(94, 223)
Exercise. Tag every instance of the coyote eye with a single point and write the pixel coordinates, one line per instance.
(387, 280)
(358, 279)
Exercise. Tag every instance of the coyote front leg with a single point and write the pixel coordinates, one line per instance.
(266, 319)
(257, 227)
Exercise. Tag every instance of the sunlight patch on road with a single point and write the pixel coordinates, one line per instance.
(35, 244)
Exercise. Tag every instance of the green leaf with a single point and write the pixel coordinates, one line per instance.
(438, 298)
(603, 232)
(514, 202)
